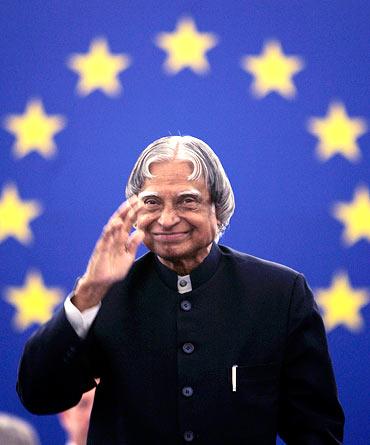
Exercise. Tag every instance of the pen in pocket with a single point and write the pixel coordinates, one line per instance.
(233, 377)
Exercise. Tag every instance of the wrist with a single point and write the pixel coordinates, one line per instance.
(88, 294)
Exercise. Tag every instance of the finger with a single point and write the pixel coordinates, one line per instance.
(130, 203)
(122, 211)
(110, 227)
(131, 217)
(124, 208)
(134, 241)
(120, 223)
(119, 234)
(105, 241)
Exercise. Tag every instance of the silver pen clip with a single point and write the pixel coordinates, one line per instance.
(233, 377)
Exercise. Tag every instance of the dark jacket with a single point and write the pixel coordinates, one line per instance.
(156, 389)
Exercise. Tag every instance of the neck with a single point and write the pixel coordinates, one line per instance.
(183, 266)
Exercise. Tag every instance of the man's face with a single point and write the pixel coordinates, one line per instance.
(177, 218)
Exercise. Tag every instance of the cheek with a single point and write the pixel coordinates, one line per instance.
(211, 225)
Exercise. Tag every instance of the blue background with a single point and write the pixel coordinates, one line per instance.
(284, 194)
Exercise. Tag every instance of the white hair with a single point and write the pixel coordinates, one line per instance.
(205, 165)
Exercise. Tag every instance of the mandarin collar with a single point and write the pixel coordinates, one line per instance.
(198, 276)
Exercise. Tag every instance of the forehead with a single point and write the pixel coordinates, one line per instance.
(172, 177)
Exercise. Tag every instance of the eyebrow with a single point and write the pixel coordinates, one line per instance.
(145, 194)
(190, 192)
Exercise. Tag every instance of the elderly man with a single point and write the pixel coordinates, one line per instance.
(194, 341)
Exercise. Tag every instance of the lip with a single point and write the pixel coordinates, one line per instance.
(170, 236)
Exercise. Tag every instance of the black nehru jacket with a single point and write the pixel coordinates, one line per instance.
(165, 359)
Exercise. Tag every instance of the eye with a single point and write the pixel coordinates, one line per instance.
(150, 202)
(188, 200)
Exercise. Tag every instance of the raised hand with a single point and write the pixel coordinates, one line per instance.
(113, 256)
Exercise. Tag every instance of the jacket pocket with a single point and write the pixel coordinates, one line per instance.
(257, 385)
(255, 402)
(258, 373)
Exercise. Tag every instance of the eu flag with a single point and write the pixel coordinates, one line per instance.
(280, 91)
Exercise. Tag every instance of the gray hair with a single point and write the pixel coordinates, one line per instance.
(15, 431)
(205, 165)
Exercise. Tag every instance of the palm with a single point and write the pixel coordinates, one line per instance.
(111, 264)
(115, 251)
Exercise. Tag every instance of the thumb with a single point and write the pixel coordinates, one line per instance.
(134, 241)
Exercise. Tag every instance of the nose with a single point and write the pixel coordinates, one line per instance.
(168, 217)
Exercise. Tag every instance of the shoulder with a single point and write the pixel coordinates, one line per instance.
(261, 269)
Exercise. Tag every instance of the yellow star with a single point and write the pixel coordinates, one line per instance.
(273, 71)
(34, 302)
(355, 216)
(34, 130)
(98, 69)
(341, 303)
(337, 133)
(16, 215)
(186, 47)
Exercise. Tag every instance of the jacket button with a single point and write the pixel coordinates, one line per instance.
(188, 436)
(188, 348)
(71, 350)
(70, 353)
(185, 305)
(187, 391)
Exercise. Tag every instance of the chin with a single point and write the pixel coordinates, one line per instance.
(167, 250)
(171, 251)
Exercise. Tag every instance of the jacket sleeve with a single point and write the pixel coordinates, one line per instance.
(55, 369)
(310, 413)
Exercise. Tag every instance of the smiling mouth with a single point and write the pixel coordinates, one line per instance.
(170, 236)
